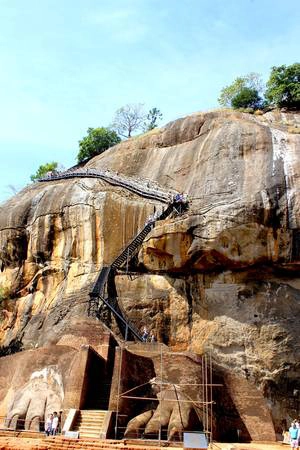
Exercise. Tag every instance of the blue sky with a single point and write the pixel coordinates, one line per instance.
(67, 65)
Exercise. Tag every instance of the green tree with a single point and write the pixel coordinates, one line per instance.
(250, 81)
(246, 98)
(128, 119)
(152, 119)
(283, 86)
(96, 142)
(43, 169)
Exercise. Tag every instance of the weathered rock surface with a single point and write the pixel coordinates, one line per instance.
(221, 278)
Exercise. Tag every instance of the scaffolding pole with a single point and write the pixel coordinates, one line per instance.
(204, 406)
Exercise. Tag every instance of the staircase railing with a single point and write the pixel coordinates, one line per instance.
(107, 274)
(140, 188)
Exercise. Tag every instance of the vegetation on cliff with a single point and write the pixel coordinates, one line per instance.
(132, 118)
(251, 83)
(283, 87)
(96, 142)
(283, 90)
(43, 169)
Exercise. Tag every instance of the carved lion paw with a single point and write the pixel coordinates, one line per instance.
(41, 395)
(174, 412)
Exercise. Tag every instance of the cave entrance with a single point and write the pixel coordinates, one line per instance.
(97, 383)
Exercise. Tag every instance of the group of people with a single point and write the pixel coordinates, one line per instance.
(177, 198)
(52, 423)
(147, 336)
(180, 197)
(294, 434)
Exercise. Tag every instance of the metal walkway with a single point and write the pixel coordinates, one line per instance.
(142, 188)
(104, 290)
(105, 283)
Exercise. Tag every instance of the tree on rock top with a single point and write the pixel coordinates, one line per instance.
(128, 119)
(243, 88)
(43, 170)
(247, 98)
(283, 87)
(96, 142)
(153, 117)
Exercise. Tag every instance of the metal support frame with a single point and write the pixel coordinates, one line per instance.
(206, 405)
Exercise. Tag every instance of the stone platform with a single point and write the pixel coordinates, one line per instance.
(36, 441)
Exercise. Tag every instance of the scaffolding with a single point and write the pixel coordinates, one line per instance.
(203, 407)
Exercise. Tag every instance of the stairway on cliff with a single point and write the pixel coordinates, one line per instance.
(106, 276)
(89, 423)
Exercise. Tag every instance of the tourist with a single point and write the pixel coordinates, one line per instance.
(149, 220)
(294, 434)
(177, 198)
(185, 198)
(145, 333)
(156, 216)
(48, 424)
(54, 426)
(152, 337)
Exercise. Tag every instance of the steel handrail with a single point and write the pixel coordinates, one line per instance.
(116, 180)
(99, 286)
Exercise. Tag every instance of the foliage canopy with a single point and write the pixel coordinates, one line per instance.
(153, 117)
(283, 86)
(96, 142)
(246, 98)
(251, 81)
(43, 169)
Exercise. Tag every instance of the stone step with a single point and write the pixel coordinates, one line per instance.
(91, 444)
(92, 416)
(89, 420)
(21, 434)
(85, 434)
(79, 446)
(88, 428)
(93, 411)
(89, 423)
(89, 417)
(84, 429)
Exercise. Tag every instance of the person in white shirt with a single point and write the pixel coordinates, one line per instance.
(48, 424)
(54, 426)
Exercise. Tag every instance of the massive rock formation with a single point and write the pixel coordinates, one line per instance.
(221, 278)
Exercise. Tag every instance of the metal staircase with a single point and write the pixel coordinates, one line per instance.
(105, 279)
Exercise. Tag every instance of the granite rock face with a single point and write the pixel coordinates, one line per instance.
(52, 246)
(221, 278)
